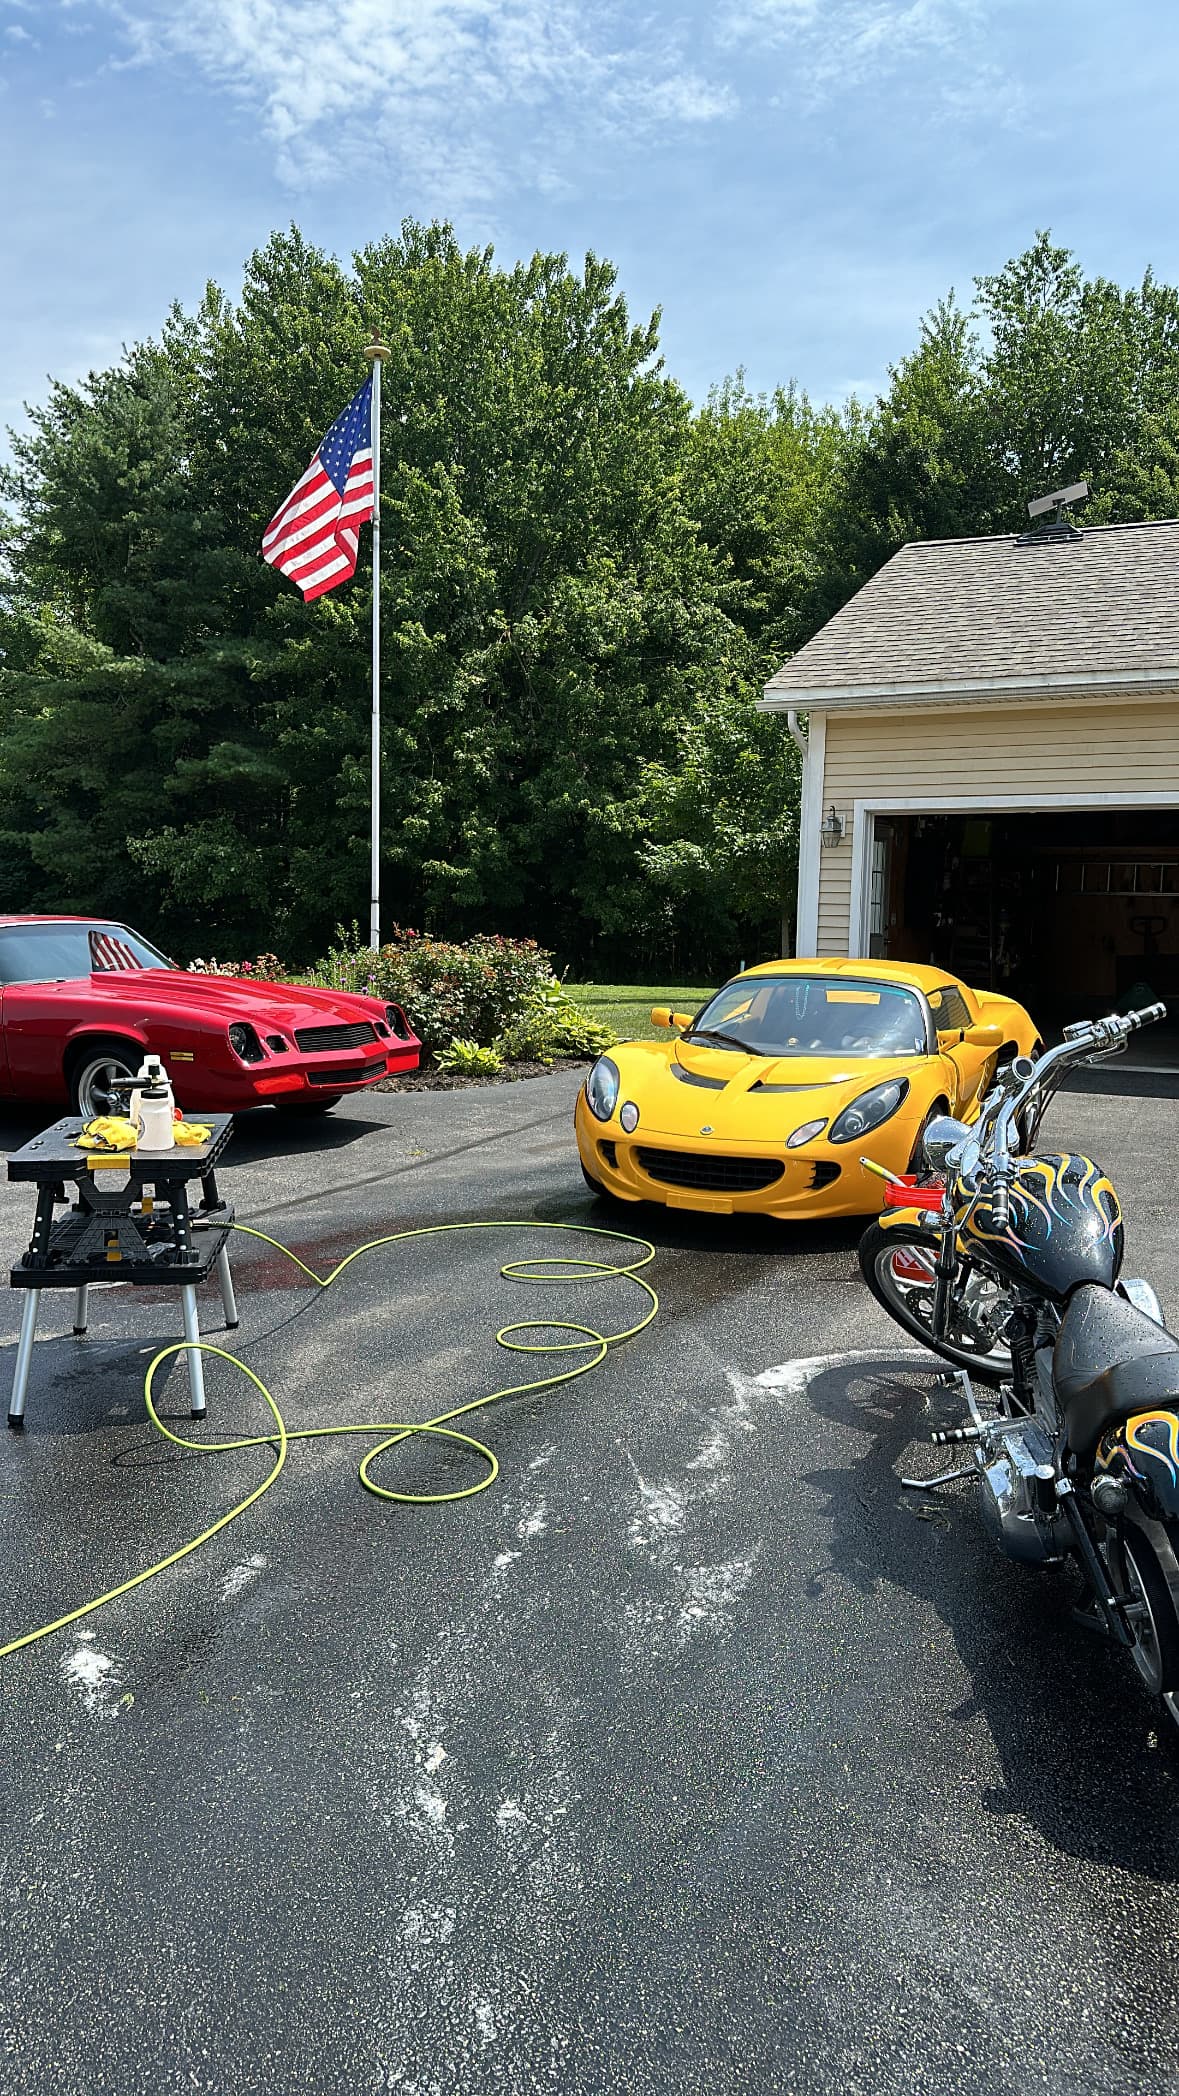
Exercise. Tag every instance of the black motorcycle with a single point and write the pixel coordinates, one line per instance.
(1009, 1266)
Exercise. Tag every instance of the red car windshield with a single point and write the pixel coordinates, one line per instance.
(62, 952)
(813, 1015)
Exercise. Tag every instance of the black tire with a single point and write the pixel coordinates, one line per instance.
(304, 1108)
(1155, 1624)
(91, 1065)
(603, 1193)
(910, 1303)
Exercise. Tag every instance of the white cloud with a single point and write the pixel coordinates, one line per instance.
(834, 45)
(433, 86)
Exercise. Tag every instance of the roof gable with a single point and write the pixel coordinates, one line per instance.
(968, 616)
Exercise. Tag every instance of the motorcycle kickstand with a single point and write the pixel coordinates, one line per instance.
(930, 1484)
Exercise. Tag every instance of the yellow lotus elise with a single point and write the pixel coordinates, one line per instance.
(765, 1102)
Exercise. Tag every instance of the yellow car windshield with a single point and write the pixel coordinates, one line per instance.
(813, 1015)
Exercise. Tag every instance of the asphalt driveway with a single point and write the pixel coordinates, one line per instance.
(691, 1757)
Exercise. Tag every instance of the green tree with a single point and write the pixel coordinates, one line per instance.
(186, 742)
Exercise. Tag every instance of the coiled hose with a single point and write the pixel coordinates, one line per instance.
(391, 1432)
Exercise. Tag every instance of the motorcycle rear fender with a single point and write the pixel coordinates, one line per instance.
(1144, 1451)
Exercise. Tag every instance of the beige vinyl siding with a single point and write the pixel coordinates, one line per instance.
(966, 752)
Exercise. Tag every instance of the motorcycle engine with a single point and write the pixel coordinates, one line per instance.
(1019, 1503)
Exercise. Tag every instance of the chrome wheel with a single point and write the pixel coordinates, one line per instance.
(93, 1085)
(902, 1274)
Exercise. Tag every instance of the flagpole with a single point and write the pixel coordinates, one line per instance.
(377, 354)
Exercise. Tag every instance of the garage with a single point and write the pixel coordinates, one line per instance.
(990, 739)
(1076, 909)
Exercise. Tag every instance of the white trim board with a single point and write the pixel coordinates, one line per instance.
(865, 811)
(806, 926)
(1086, 687)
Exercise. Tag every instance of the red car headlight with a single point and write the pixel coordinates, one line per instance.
(245, 1043)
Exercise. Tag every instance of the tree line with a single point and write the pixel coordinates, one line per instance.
(586, 582)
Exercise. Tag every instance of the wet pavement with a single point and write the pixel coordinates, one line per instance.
(690, 1757)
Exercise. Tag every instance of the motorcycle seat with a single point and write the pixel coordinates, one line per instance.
(1110, 1360)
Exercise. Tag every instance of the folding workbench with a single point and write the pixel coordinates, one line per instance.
(127, 1219)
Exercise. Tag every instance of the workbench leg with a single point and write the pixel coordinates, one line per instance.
(192, 1333)
(24, 1355)
(228, 1298)
(80, 1310)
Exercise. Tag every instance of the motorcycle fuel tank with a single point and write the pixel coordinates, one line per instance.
(1065, 1225)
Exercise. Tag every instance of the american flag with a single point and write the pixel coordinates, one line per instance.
(314, 536)
(108, 951)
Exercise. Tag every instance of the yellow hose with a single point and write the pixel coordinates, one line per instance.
(392, 1431)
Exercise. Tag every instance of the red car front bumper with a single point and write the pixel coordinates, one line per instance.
(327, 1076)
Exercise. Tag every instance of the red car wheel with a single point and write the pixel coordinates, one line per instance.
(91, 1070)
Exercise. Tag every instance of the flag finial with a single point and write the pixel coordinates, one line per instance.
(376, 351)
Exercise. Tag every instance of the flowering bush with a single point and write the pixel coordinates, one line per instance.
(266, 968)
(479, 990)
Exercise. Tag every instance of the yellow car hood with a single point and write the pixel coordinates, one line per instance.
(745, 1098)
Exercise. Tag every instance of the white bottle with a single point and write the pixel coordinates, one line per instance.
(152, 1106)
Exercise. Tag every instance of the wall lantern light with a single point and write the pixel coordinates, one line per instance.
(831, 829)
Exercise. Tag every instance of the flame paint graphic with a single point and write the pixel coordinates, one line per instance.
(1170, 1424)
(1060, 1200)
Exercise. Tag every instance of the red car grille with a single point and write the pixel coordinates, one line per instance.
(710, 1173)
(352, 1073)
(329, 1040)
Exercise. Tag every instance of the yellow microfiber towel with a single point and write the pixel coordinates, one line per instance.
(191, 1134)
(109, 1132)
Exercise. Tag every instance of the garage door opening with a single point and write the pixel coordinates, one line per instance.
(1073, 912)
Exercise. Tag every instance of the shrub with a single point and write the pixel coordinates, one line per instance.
(472, 991)
(468, 1059)
(552, 1025)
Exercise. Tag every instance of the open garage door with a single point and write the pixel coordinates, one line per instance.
(1072, 911)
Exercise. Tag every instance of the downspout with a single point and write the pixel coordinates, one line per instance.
(789, 939)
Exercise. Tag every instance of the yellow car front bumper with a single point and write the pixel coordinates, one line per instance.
(741, 1178)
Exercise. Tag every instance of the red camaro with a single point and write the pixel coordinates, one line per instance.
(82, 999)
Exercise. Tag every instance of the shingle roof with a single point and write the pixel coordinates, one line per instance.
(946, 615)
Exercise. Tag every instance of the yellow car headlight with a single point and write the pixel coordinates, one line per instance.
(869, 1110)
(601, 1088)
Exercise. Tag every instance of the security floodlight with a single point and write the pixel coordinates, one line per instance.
(1043, 503)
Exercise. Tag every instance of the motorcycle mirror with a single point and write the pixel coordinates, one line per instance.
(942, 1137)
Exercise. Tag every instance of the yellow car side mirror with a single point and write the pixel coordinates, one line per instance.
(662, 1015)
(986, 1035)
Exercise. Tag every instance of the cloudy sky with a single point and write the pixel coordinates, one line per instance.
(793, 181)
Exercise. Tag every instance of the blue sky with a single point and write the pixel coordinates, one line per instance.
(793, 181)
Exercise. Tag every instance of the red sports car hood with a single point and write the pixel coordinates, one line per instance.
(225, 997)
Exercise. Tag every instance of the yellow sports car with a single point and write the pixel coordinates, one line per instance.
(766, 1100)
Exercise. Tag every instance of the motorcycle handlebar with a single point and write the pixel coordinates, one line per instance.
(1000, 1205)
(1082, 1041)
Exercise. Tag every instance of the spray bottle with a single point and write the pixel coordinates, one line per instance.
(152, 1105)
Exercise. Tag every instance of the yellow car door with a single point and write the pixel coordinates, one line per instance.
(970, 1046)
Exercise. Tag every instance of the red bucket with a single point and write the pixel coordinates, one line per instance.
(912, 1192)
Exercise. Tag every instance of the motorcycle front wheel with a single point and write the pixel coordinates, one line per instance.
(899, 1265)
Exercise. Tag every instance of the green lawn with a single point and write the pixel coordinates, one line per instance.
(627, 1006)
